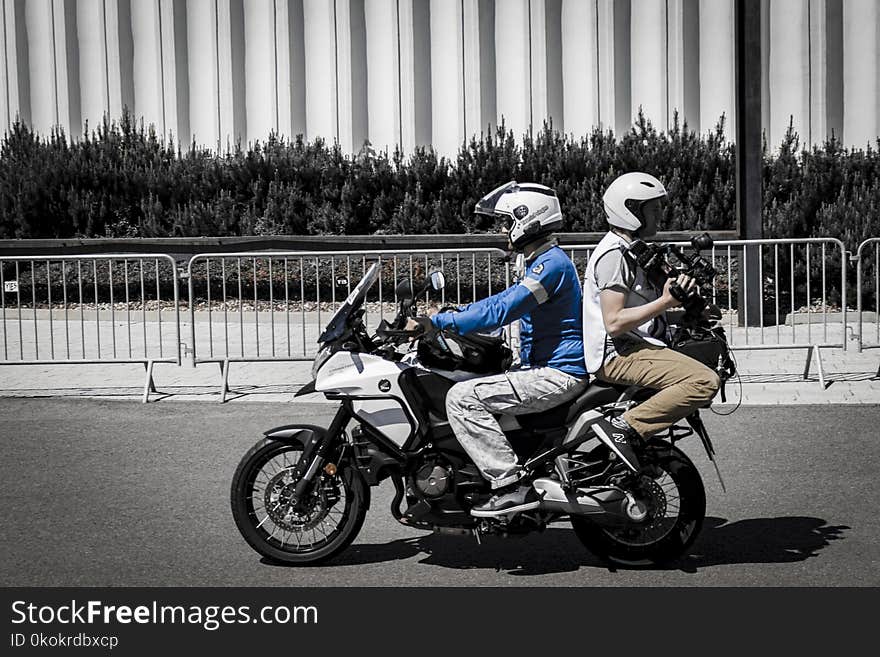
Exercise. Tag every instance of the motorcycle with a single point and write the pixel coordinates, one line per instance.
(300, 494)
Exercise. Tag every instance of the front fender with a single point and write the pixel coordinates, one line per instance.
(293, 434)
(303, 435)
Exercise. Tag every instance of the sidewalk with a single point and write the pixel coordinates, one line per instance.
(767, 376)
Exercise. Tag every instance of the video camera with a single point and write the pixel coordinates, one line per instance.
(661, 262)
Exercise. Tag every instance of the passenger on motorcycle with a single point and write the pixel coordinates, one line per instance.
(624, 319)
(547, 301)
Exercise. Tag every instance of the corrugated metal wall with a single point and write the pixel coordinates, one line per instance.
(413, 72)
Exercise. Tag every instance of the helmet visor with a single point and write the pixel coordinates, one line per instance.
(486, 205)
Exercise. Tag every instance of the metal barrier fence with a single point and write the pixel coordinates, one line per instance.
(117, 308)
(258, 306)
(803, 283)
(865, 267)
(271, 306)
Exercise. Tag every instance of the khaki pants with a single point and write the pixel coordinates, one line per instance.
(684, 385)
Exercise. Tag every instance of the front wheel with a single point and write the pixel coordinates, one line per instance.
(675, 500)
(290, 531)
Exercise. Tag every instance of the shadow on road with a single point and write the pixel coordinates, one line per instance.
(760, 540)
(756, 540)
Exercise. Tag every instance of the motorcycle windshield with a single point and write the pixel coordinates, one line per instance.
(336, 326)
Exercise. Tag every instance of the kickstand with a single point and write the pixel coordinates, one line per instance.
(476, 532)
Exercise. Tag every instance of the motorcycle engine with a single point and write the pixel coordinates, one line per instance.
(433, 478)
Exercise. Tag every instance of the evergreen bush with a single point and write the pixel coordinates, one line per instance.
(121, 180)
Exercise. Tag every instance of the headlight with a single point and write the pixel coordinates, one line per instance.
(323, 354)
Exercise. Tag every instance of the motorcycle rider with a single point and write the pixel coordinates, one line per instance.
(624, 319)
(547, 301)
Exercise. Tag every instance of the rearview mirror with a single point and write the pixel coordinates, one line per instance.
(438, 280)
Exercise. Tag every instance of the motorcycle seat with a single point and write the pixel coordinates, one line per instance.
(596, 394)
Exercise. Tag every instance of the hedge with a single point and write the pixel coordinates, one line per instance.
(122, 180)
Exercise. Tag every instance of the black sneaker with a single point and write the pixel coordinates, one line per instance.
(624, 442)
(507, 500)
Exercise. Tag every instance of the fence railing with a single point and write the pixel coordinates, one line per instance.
(116, 308)
(868, 280)
(257, 306)
(271, 306)
(801, 303)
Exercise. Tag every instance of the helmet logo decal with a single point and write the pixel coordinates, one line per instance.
(537, 212)
(537, 269)
(520, 211)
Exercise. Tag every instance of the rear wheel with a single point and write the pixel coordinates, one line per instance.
(287, 530)
(673, 500)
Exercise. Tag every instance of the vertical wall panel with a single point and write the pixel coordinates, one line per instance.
(834, 67)
(472, 69)
(295, 55)
(120, 41)
(622, 116)
(717, 65)
(175, 70)
(290, 74)
(861, 20)
(12, 61)
(789, 69)
(419, 72)
(580, 66)
(231, 88)
(6, 110)
(489, 90)
(447, 83)
(66, 42)
(351, 74)
(94, 82)
(201, 21)
(352, 51)
(537, 48)
(117, 35)
(320, 68)
(261, 69)
(383, 91)
(512, 65)
(414, 28)
(683, 52)
(553, 35)
(47, 57)
(147, 65)
(605, 70)
(648, 57)
(817, 80)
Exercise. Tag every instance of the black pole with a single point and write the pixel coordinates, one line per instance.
(748, 154)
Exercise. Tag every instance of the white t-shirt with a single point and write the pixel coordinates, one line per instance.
(608, 268)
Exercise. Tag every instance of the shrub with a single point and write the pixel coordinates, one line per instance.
(121, 180)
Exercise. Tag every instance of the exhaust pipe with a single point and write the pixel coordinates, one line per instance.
(600, 501)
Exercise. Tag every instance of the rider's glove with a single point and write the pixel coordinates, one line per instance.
(419, 325)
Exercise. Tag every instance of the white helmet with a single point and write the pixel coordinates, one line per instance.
(533, 210)
(625, 196)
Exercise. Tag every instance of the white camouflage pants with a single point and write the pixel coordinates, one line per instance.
(471, 405)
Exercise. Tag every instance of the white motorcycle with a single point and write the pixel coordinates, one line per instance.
(300, 495)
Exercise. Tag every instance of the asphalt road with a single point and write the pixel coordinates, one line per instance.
(115, 493)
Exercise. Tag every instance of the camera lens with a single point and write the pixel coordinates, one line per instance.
(702, 242)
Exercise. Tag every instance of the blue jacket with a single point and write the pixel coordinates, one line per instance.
(547, 301)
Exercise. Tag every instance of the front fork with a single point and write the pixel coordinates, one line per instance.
(316, 450)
